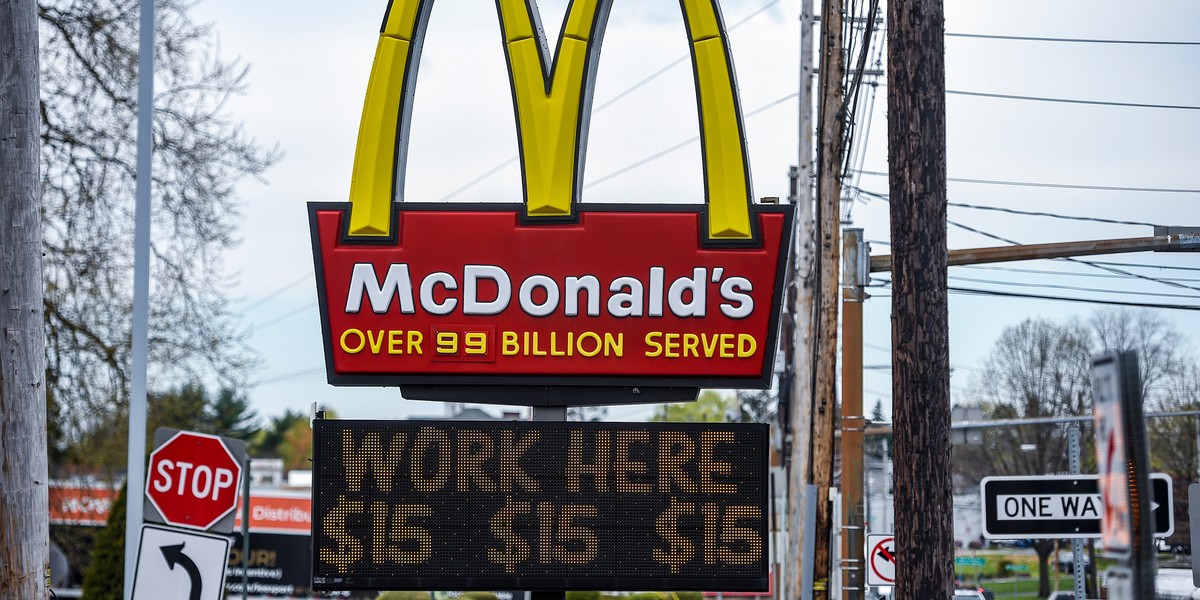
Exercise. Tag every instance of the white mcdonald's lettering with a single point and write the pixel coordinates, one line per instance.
(553, 108)
(1048, 507)
(541, 295)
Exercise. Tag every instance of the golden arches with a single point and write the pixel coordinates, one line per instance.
(553, 105)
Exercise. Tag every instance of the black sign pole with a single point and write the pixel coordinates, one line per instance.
(1139, 464)
(549, 413)
(246, 529)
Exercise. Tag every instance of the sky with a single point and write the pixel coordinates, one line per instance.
(309, 67)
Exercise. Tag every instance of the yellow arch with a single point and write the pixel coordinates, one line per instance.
(553, 105)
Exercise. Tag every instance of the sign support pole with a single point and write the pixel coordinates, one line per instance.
(549, 413)
(246, 529)
(136, 466)
(1078, 569)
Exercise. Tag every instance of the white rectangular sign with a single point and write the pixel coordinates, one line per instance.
(180, 564)
(1048, 506)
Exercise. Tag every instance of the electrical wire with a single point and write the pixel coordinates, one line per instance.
(977, 292)
(1068, 186)
(1058, 286)
(1172, 267)
(609, 102)
(1077, 260)
(1028, 213)
(683, 144)
(1070, 259)
(1066, 273)
(1069, 40)
(1070, 100)
(276, 293)
(280, 318)
(1073, 288)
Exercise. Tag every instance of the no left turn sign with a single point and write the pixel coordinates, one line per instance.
(881, 559)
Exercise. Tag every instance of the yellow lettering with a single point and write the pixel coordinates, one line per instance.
(508, 343)
(395, 341)
(597, 469)
(349, 548)
(474, 449)
(371, 456)
(362, 342)
(511, 451)
(426, 438)
(589, 335)
(625, 465)
(674, 449)
(376, 342)
(707, 465)
(414, 342)
(614, 346)
(747, 345)
(652, 341)
(726, 345)
(672, 345)
(690, 342)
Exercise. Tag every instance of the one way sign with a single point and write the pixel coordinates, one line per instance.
(1059, 506)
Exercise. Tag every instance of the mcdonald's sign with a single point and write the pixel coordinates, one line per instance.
(611, 303)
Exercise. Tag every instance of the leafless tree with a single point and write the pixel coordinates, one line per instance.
(87, 110)
(1037, 368)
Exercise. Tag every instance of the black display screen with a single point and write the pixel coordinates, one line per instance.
(477, 505)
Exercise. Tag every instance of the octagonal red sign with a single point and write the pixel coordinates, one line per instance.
(193, 480)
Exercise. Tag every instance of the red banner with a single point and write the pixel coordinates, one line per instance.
(625, 295)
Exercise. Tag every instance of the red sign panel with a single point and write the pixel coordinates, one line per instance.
(80, 504)
(625, 295)
(193, 480)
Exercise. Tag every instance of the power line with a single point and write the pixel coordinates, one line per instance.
(1073, 288)
(676, 62)
(1172, 267)
(280, 318)
(1070, 40)
(1070, 100)
(977, 292)
(1079, 261)
(1068, 258)
(1068, 186)
(1028, 213)
(683, 144)
(276, 293)
(610, 102)
(1067, 273)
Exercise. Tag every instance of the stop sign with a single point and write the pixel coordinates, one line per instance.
(193, 480)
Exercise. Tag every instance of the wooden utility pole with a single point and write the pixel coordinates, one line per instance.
(829, 193)
(799, 573)
(920, 315)
(24, 506)
(854, 281)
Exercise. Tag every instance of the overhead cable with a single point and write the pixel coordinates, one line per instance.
(1069, 186)
(1070, 40)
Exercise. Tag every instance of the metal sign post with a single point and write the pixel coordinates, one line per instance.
(1123, 461)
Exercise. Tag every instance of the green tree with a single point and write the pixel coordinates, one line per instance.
(88, 104)
(710, 407)
(106, 572)
(230, 415)
(269, 441)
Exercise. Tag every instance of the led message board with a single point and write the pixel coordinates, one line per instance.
(545, 290)
(539, 505)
